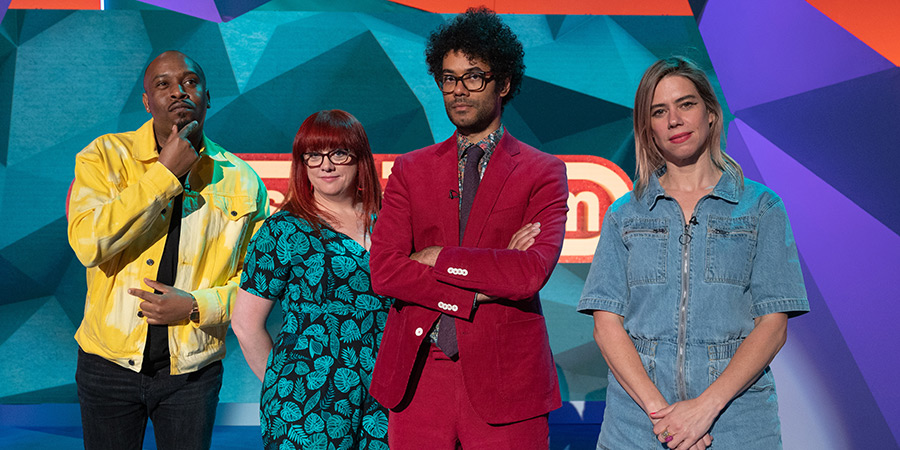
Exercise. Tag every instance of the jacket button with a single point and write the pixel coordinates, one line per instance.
(149, 262)
(234, 213)
(130, 362)
(419, 331)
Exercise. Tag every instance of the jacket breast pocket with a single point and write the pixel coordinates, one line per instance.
(646, 241)
(222, 224)
(730, 247)
(232, 214)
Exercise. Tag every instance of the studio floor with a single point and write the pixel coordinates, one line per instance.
(57, 427)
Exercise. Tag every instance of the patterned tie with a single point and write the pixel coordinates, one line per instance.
(446, 340)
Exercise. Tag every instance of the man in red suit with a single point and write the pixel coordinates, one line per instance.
(465, 359)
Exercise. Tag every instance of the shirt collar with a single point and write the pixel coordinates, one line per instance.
(727, 188)
(654, 190)
(145, 145)
(488, 144)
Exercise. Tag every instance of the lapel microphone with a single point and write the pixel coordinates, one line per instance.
(453, 194)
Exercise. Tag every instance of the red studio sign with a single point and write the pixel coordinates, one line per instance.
(594, 183)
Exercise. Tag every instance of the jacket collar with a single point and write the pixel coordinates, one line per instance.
(727, 188)
(144, 148)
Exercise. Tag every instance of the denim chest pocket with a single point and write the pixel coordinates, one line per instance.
(646, 241)
(227, 217)
(730, 247)
(234, 208)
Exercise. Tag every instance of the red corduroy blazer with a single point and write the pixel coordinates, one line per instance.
(507, 365)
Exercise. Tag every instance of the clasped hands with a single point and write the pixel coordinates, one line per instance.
(521, 240)
(169, 306)
(684, 425)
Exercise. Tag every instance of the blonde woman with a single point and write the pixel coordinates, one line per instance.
(692, 283)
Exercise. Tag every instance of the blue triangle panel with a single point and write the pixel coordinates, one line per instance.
(7, 77)
(548, 110)
(665, 36)
(34, 23)
(836, 132)
(200, 40)
(229, 9)
(41, 256)
(555, 22)
(697, 6)
(284, 101)
(421, 23)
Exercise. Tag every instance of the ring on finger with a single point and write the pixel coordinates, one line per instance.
(666, 435)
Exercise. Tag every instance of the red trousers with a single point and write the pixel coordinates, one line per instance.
(439, 416)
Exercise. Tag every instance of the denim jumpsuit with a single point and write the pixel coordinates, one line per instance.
(688, 293)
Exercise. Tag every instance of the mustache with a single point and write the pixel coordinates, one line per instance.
(180, 103)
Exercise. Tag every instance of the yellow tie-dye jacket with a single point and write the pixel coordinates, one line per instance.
(119, 209)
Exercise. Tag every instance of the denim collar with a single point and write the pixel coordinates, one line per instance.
(144, 148)
(727, 188)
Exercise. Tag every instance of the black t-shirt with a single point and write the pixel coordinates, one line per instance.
(156, 352)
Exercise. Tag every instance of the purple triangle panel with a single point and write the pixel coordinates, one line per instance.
(230, 9)
(839, 133)
(4, 5)
(843, 392)
(852, 257)
(764, 50)
(201, 9)
(737, 149)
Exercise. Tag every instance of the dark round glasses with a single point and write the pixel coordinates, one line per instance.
(473, 81)
(338, 157)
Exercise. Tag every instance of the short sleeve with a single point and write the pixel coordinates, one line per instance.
(267, 263)
(776, 279)
(606, 286)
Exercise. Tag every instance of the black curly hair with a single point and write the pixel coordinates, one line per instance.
(479, 33)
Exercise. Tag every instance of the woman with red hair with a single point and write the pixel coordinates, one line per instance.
(312, 257)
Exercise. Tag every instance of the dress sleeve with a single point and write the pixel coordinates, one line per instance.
(776, 278)
(606, 286)
(267, 265)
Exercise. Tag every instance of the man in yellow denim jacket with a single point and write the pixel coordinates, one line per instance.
(123, 209)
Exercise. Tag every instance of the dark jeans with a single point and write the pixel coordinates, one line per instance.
(116, 403)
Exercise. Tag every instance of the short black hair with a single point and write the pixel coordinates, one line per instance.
(479, 33)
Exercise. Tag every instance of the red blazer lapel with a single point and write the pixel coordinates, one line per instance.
(444, 182)
(502, 164)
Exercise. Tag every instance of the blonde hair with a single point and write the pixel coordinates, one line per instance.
(648, 157)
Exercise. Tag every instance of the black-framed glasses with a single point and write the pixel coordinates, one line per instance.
(338, 157)
(473, 81)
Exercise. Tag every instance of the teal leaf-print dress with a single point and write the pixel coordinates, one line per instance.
(316, 390)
